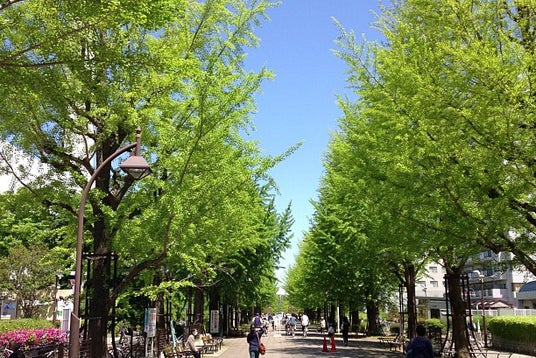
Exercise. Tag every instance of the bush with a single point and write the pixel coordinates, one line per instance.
(24, 323)
(513, 328)
(435, 323)
(31, 338)
(394, 329)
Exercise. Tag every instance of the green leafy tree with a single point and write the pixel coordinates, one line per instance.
(443, 106)
(27, 277)
(175, 69)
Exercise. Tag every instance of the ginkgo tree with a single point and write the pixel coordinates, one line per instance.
(442, 115)
(434, 159)
(75, 82)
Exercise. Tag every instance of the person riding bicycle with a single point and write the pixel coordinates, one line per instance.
(292, 324)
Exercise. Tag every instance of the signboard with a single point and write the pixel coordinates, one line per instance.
(9, 309)
(214, 321)
(150, 322)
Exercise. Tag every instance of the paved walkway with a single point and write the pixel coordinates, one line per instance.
(281, 346)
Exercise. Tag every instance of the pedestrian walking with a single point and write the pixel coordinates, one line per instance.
(292, 324)
(254, 340)
(257, 320)
(322, 325)
(345, 329)
(304, 324)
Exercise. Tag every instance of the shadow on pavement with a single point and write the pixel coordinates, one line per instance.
(313, 346)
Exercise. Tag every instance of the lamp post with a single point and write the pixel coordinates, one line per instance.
(137, 167)
(481, 277)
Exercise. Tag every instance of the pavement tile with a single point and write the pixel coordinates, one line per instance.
(279, 345)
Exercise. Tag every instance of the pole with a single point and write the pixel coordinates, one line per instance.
(55, 300)
(137, 169)
(74, 331)
(483, 313)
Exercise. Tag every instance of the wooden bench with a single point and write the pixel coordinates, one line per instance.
(450, 353)
(393, 344)
(178, 351)
(492, 354)
(212, 345)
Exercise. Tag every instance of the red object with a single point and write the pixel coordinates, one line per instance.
(333, 348)
(325, 348)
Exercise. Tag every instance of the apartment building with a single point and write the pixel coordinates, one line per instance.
(491, 284)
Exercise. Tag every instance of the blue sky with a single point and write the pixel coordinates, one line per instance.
(299, 105)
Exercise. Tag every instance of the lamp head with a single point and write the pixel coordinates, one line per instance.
(136, 166)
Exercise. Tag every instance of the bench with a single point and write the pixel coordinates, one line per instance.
(478, 354)
(393, 344)
(212, 345)
(178, 351)
(492, 354)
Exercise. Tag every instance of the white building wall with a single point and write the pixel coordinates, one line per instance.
(498, 285)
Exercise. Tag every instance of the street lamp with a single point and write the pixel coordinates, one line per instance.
(137, 167)
(481, 277)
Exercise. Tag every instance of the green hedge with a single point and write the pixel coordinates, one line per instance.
(24, 323)
(515, 328)
(435, 323)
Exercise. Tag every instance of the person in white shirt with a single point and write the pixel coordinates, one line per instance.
(304, 324)
(322, 325)
(190, 344)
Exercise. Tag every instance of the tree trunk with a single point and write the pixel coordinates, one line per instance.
(99, 306)
(161, 331)
(354, 318)
(373, 314)
(99, 297)
(409, 277)
(199, 307)
(458, 308)
(225, 328)
(214, 304)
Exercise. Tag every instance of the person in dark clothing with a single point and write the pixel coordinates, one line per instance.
(420, 346)
(17, 353)
(345, 329)
(254, 340)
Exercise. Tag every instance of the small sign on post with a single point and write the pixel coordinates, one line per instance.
(214, 321)
(150, 322)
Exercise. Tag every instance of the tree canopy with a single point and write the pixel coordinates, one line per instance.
(81, 77)
(434, 157)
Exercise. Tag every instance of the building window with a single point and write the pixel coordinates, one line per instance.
(434, 284)
(433, 269)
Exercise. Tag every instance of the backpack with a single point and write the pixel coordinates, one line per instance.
(257, 321)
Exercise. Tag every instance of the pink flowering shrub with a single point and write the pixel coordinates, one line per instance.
(31, 338)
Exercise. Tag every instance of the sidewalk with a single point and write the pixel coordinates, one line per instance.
(281, 346)
(278, 345)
